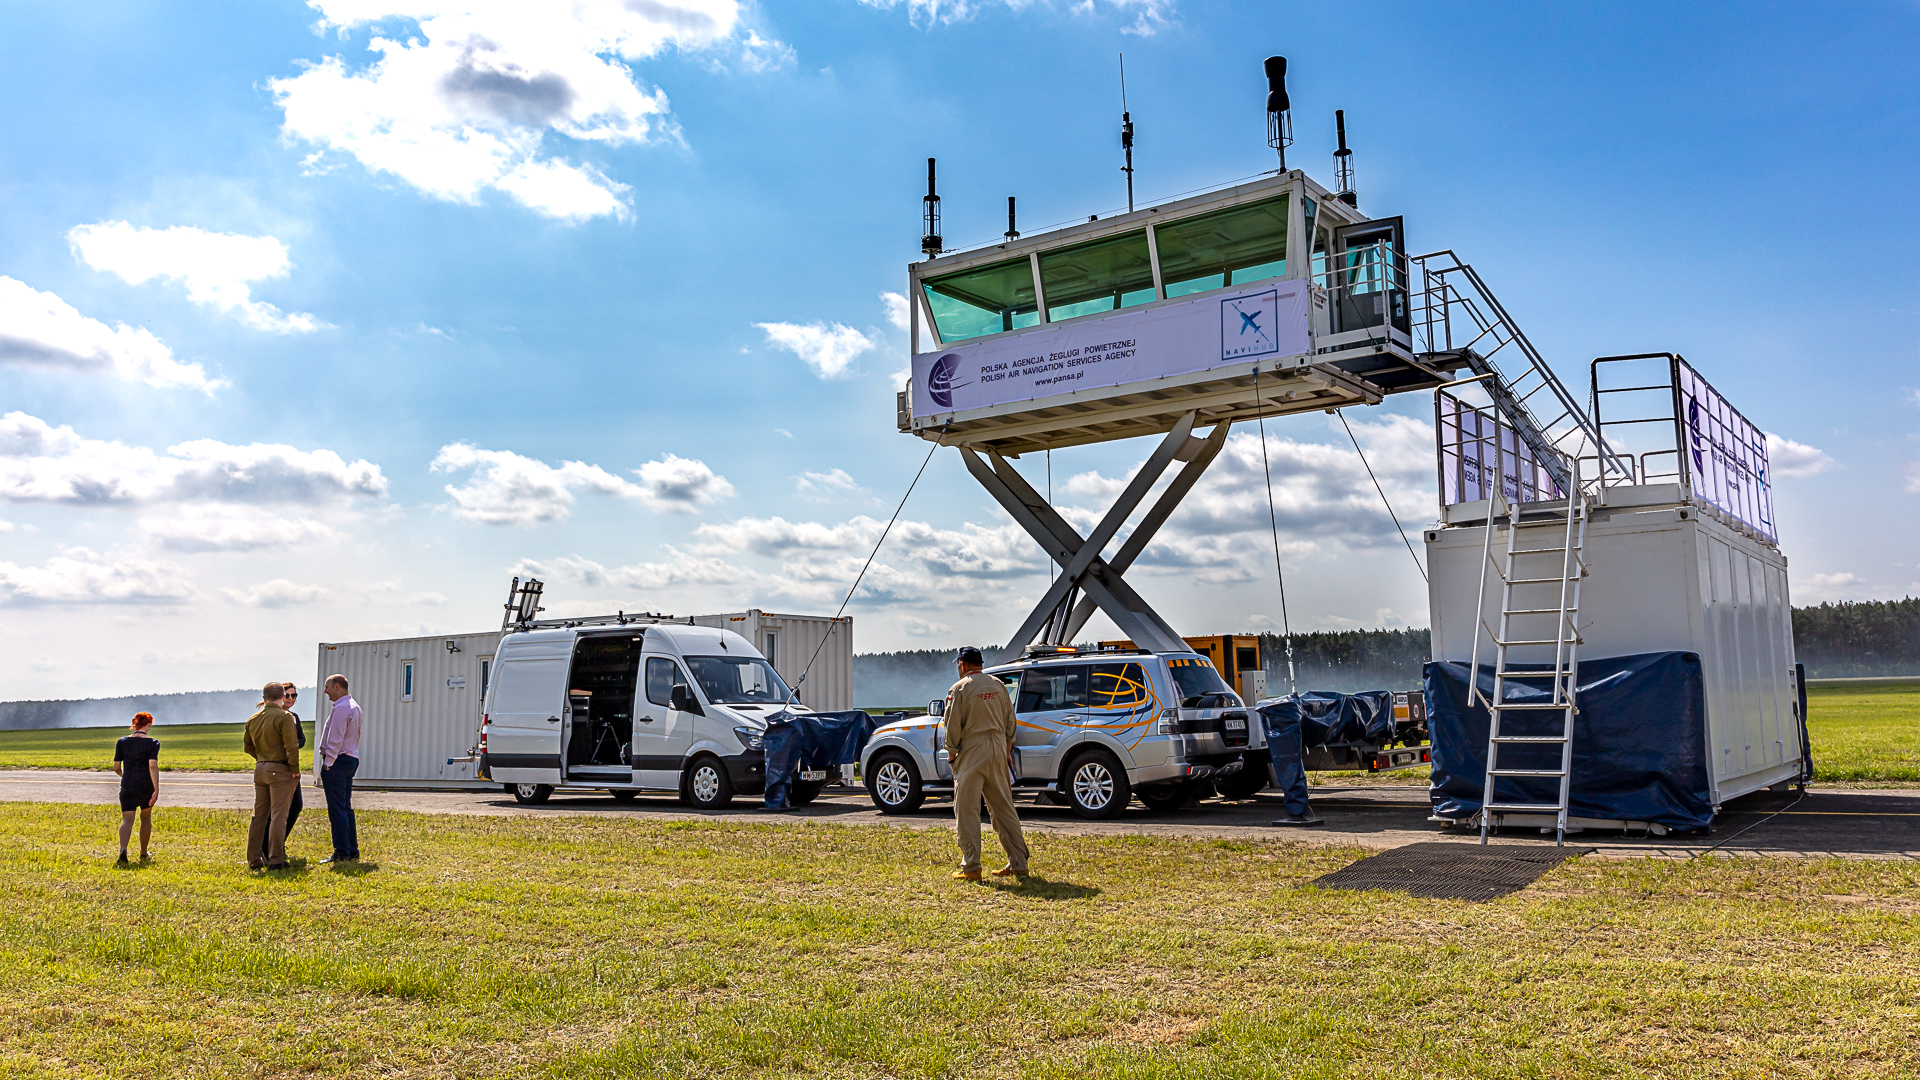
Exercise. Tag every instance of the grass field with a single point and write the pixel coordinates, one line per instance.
(600, 948)
(1868, 731)
(182, 746)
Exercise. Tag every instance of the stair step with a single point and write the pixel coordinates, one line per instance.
(1504, 706)
(1541, 641)
(1529, 739)
(1540, 580)
(1526, 772)
(1538, 611)
(1555, 550)
(1522, 808)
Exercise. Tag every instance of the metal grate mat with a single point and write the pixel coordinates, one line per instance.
(1451, 871)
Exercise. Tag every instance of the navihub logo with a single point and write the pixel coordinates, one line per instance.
(1249, 325)
(940, 384)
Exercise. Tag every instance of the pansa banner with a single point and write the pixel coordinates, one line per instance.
(1267, 321)
(1726, 457)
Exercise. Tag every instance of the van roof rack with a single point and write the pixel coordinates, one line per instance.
(644, 618)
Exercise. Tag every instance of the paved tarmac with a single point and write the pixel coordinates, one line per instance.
(1827, 823)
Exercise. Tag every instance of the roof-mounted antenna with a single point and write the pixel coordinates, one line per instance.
(930, 242)
(1013, 230)
(1126, 131)
(1279, 114)
(1343, 161)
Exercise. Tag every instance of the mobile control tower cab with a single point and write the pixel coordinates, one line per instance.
(1095, 730)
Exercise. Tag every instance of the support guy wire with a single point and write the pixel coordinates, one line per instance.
(1273, 518)
(1383, 495)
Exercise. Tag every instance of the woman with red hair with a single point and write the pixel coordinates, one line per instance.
(136, 758)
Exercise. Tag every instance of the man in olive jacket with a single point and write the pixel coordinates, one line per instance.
(979, 734)
(273, 741)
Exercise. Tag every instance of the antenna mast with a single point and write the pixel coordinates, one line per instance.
(930, 242)
(1126, 131)
(1343, 161)
(1279, 114)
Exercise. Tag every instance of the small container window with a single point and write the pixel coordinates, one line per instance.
(982, 301)
(406, 692)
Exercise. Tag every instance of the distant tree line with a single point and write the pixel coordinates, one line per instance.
(1872, 637)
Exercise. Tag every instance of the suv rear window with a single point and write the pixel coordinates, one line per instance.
(1197, 681)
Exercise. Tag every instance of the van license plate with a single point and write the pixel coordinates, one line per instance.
(813, 774)
(1236, 723)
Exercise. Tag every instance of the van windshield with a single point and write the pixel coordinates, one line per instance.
(1198, 681)
(738, 680)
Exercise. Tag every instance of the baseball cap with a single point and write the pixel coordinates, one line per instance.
(968, 655)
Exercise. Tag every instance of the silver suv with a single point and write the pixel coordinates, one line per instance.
(1095, 730)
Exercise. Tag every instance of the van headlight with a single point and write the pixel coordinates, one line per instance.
(751, 738)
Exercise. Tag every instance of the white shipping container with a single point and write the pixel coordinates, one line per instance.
(1663, 575)
(789, 642)
(420, 700)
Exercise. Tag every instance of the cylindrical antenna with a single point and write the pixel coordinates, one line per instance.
(1343, 161)
(930, 242)
(1279, 109)
(1013, 230)
(1126, 132)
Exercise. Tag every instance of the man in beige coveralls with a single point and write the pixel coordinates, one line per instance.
(272, 739)
(979, 729)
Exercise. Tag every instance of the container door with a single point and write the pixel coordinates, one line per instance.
(1370, 277)
(1051, 712)
(662, 735)
(526, 718)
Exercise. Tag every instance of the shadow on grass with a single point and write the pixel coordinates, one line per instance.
(356, 868)
(1035, 887)
(295, 868)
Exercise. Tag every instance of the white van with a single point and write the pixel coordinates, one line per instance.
(629, 707)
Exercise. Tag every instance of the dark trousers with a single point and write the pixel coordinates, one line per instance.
(337, 781)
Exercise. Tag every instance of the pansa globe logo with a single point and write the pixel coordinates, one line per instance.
(940, 384)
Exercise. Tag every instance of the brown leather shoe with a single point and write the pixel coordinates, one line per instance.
(1008, 871)
(967, 875)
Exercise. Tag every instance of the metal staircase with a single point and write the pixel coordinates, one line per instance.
(1457, 317)
(1531, 594)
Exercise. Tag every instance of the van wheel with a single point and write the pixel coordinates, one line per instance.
(802, 792)
(894, 784)
(708, 786)
(623, 795)
(1097, 786)
(531, 794)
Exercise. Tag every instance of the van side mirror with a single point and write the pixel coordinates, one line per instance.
(681, 700)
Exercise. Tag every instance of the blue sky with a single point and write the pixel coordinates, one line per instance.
(269, 295)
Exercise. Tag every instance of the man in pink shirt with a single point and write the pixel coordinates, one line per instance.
(339, 758)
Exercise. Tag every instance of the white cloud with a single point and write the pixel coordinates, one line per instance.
(682, 568)
(1913, 478)
(680, 484)
(1825, 588)
(829, 349)
(783, 433)
(40, 328)
(897, 310)
(42, 463)
(1913, 395)
(466, 100)
(216, 268)
(1150, 16)
(430, 599)
(510, 489)
(826, 485)
(79, 576)
(1794, 460)
(201, 528)
(277, 593)
(918, 627)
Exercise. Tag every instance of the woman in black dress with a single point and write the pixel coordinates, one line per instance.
(136, 758)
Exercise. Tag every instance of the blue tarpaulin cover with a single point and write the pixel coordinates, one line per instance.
(1639, 742)
(817, 740)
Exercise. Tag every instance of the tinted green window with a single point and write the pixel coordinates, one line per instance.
(987, 300)
(1227, 247)
(1101, 275)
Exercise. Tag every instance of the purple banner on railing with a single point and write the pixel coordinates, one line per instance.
(1475, 448)
(1726, 456)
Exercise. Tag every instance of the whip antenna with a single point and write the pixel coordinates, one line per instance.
(1126, 132)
